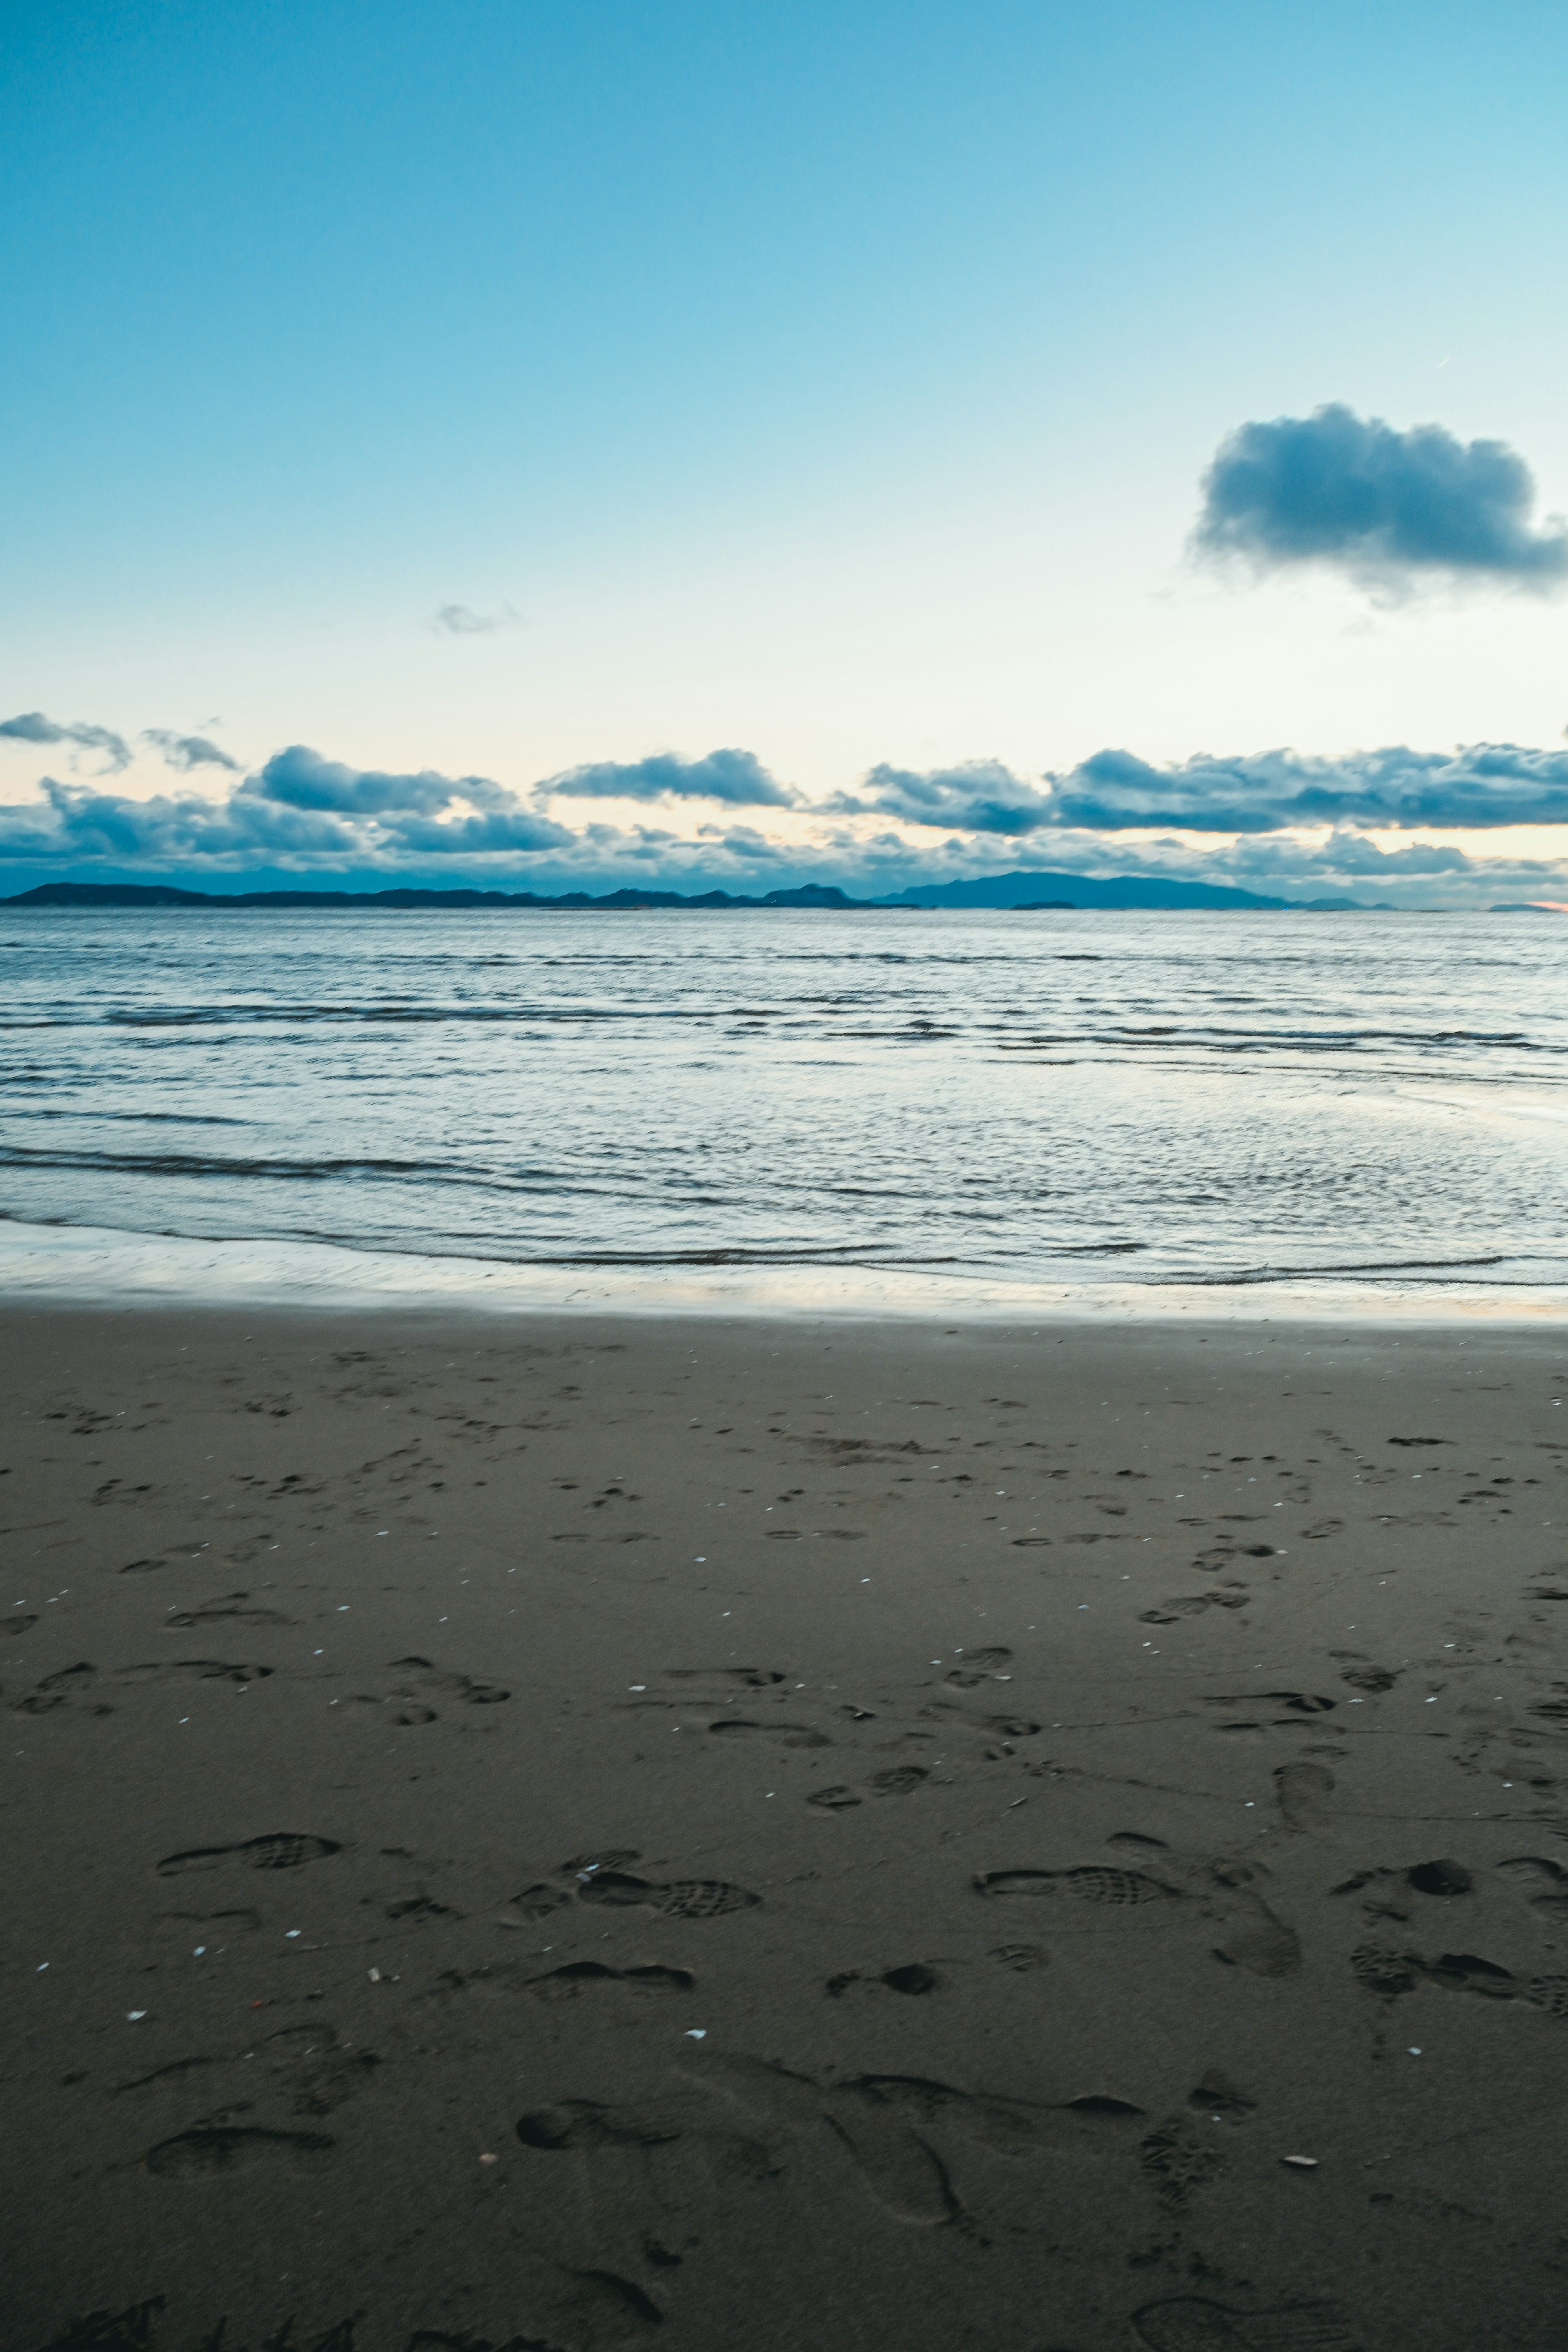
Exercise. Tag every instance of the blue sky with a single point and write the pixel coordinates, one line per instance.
(835, 388)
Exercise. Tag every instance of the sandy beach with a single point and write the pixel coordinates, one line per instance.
(572, 1832)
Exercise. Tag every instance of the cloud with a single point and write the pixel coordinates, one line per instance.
(32, 726)
(1481, 785)
(188, 752)
(976, 796)
(303, 779)
(737, 778)
(462, 621)
(1386, 507)
(300, 809)
(1279, 822)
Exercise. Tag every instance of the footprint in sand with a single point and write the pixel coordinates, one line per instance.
(233, 1609)
(192, 2154)
(789, 1735)
(898, 1780)
(1217, 2097)
(308, 2069)
(1273, 1707)
(1193, 1604)
(1302, 1792)
(632, 2174)
(210, 1927)
(1178, 2158)
(1089, 1884)
(680, 1898)
(1384, 1972)
(204, 1670)
(423, 1676)
(1251, 1936)
(1188, 2322)
(726, 1677)
(599, 2309)
(1543, 1883)
(579, 1976)
(1444, 1878)
(884, 2122)
(912, 1980)
(904, 2175)
(279, 1850)
(1389, 1973)
(535, 1903)
(981, 1665)
(56, 1689)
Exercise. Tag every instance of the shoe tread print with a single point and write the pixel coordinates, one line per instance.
(680, 1898)
(1192, 2324)
(1089, 1883)
(279, 1850)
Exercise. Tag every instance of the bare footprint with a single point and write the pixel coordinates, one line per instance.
(1254, 1940)
(210, 2148)
(1303, 1791)
(789, 1735)
(423, 1675)
(578, 1977)
(981, 1665)
(1192, 2324)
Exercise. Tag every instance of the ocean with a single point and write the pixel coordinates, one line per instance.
(1059, 1099)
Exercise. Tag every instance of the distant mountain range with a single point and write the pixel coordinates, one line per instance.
(1062, 890)
(1023, 893)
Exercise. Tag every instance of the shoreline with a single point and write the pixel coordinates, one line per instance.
(563, 1828)
(85, 1264)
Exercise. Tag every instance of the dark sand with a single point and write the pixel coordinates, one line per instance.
(782, 1836)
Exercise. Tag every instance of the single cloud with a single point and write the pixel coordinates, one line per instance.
(32, 726)
(303, 779)
(737, 778)
(1386, 507)
(188, 752)
(975, 796)
(462, 621)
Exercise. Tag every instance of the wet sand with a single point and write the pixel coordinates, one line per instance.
(578, 1833)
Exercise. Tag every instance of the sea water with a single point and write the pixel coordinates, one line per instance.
(1021, 1098)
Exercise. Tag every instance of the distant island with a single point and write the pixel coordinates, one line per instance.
(1022, 894)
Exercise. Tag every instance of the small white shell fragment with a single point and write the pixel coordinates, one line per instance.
(1302, 2163)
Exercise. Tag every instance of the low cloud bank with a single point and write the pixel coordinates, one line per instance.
(1238, 822)
(1391, 508)
(1482, 784)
